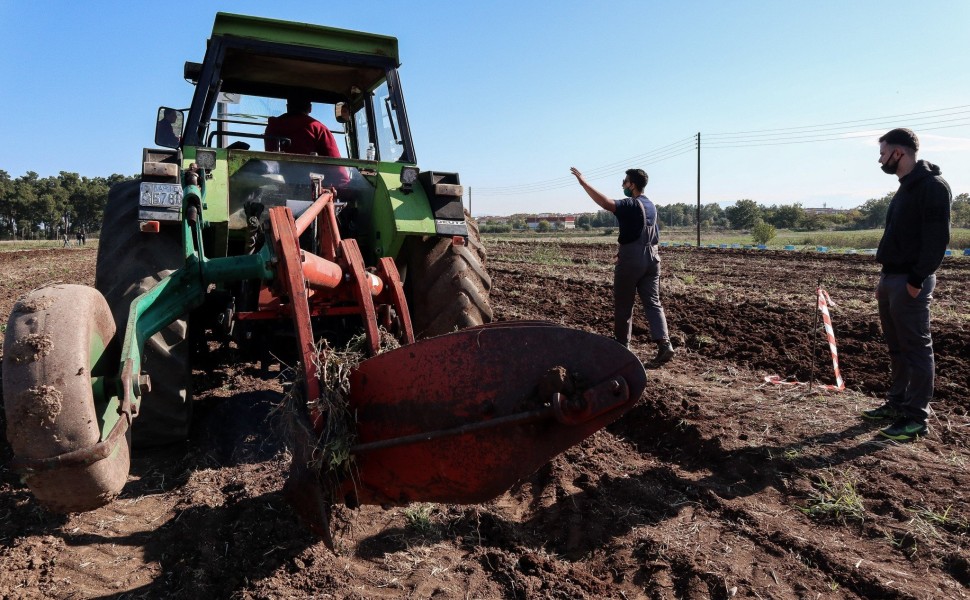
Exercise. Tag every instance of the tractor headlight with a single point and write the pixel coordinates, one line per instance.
(408, 176)
(206, 159)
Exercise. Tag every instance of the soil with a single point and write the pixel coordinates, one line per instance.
(715, 485)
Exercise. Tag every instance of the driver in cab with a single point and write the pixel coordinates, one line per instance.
(306, 134)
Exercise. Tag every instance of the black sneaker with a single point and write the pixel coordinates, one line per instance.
(905, 429)
(886, 411)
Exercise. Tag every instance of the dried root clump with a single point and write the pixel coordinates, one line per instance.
(329, 453)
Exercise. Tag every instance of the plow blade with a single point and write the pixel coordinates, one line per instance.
(462, 417)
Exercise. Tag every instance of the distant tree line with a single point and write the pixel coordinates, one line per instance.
(34, 207)
(747, 214)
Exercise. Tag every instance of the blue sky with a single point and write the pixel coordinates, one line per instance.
(510, 94)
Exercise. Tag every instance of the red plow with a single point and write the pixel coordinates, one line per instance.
(457, 418)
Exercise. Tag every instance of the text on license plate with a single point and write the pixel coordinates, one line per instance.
(161, 194)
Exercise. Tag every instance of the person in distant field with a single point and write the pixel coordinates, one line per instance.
(84, 237)
(77, 238)
(165, 129)
(637, 267)
(911, 249)
(306, 134)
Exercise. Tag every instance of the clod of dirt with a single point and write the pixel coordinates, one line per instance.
(959, 567)
(31, 348)
(556, 380)
(43, 403)
(32, 305)
(37, 405)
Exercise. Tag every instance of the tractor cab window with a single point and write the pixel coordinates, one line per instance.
(366, 126)
(386, 136)
(269, 174)
(389, 138)
(241, 122)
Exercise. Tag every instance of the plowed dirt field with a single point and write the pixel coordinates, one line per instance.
(715, 485)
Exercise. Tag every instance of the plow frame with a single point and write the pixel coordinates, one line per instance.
(288, 291)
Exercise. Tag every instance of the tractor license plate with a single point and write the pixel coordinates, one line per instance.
(160, 202)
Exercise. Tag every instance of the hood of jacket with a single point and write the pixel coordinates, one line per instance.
(921, 170)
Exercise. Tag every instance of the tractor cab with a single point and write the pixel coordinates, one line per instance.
(350, 79)
(248, 73)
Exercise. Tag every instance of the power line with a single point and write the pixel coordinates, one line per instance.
(927, 120)
(826, 137)
(853, 122)
(913, 123)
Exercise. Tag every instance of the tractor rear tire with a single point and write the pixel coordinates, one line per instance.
(130, 263)
(55, 337)
(447, 284)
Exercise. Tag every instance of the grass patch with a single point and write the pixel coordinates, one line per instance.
(946, 520)
(956, 459)
(700, 341)
(417, 518)
(549, 254)
(835, 498)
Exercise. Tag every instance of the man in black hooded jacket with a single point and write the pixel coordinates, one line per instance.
(911, 249)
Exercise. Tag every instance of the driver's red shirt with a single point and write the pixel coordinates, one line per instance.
(307, 135)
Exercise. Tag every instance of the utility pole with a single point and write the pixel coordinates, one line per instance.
(469, 200)
(698, 189)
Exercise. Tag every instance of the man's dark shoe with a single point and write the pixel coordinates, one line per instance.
(887, 411)
(905, 429)
(665, 353)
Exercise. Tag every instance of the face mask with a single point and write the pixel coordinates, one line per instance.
(628, 192)
(890, 167)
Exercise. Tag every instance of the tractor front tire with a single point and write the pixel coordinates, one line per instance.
(55, 337)
(447, 284)
(130, 263)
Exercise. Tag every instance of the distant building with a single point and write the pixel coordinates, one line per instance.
(557, 221)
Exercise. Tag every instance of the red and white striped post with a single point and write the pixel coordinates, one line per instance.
(824, 301)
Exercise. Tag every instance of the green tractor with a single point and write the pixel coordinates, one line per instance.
(234, 228)
(390, 207)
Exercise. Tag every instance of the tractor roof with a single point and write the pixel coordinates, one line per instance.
(305, 34)
(275, 58)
